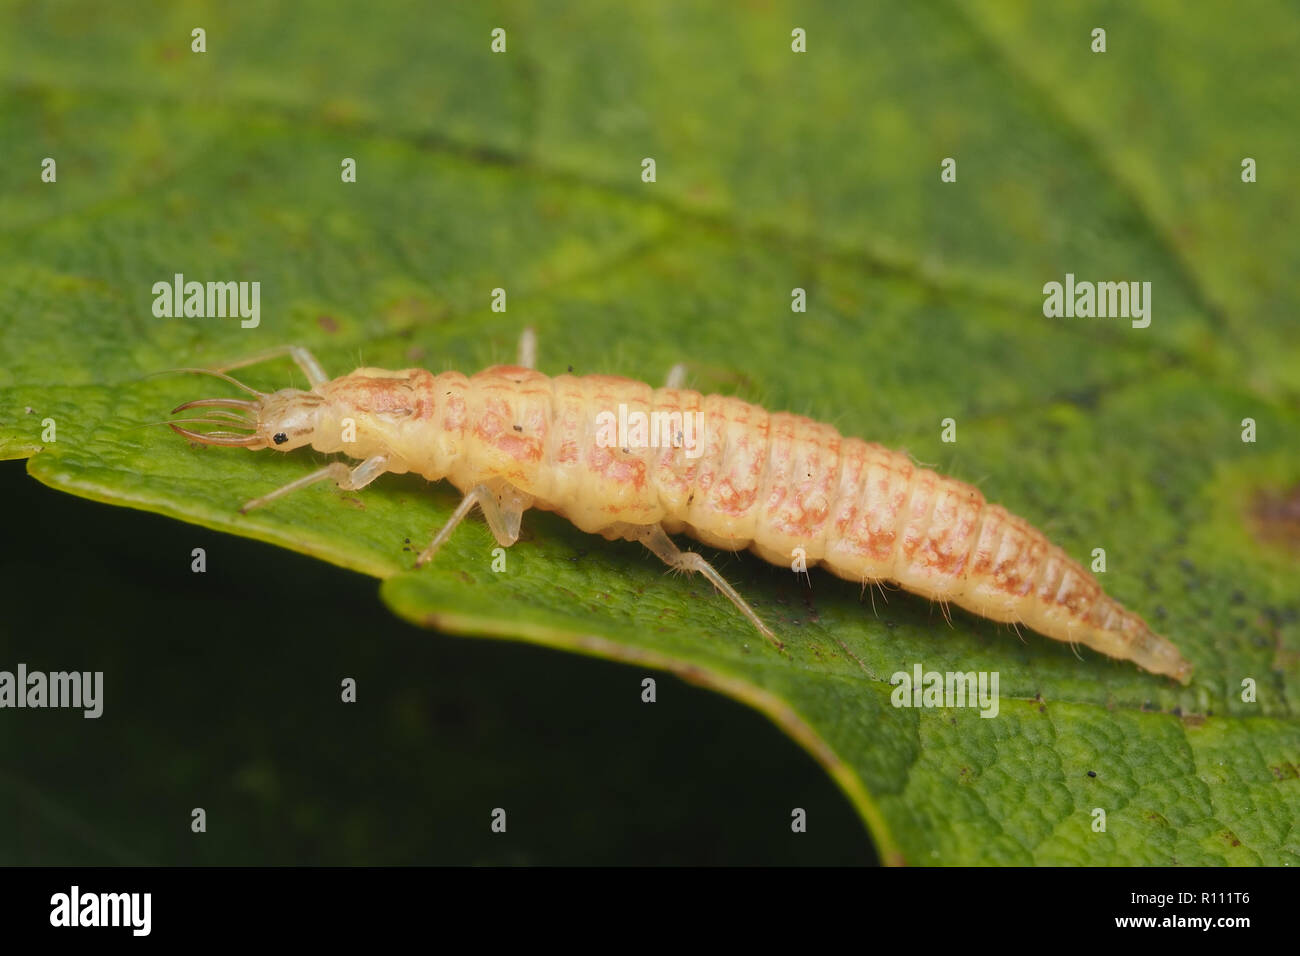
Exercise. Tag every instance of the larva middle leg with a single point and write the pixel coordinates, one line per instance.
(656, 539)
(527, 353)
(503, 506)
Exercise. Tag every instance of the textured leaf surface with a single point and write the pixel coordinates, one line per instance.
(775, 171)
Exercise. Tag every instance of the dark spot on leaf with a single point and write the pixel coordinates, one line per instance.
(1042, 708)
(1084, 398)
(1092, 773)
(328, 323)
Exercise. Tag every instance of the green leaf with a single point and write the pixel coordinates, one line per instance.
(775, 170)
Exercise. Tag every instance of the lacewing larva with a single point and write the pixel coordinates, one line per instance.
(512, 439)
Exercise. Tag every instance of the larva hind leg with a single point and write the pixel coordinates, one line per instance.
(656, 539)
(503, 506)
(348, 479)
(527, 356)
(309, 364)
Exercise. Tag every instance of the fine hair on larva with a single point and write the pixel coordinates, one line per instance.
(727, 473)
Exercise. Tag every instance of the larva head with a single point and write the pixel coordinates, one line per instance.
(282, 420)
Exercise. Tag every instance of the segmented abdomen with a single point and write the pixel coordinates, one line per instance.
(774, 483)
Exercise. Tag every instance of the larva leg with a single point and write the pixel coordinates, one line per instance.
(348, 479)
(309, 364)
(656, 539)
(676, 376)
(527, 348)
(466, 505)
(503, 506)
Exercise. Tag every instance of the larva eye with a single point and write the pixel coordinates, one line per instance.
(279, 438)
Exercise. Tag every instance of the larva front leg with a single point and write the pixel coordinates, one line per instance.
(348, 479)
(309, 364)
(503, 507)
(656, 539)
